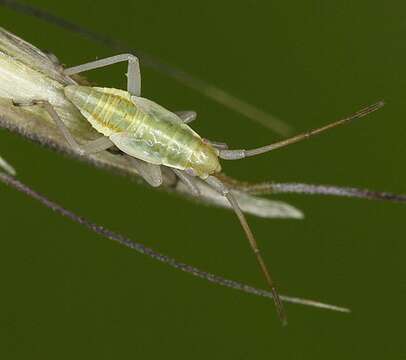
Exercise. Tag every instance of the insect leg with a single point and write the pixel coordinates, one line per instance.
(188, 181)
(97, 145)
(240, 154)
(222, 189)
(133, 72)
(216, 144)
(187, 116)
(7, 167)
(151, 173)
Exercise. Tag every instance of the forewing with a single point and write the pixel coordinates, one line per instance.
(154, 110)
(158, 112)
(138, 148)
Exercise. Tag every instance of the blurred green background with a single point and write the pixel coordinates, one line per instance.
(67, 293)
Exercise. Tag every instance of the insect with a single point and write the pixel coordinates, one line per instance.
(152, 136)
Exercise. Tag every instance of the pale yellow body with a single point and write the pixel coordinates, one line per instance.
(145, 130)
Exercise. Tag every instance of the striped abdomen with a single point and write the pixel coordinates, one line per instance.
(144, 129)
(107, 112)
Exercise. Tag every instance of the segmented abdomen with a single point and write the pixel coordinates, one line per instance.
(107, 112)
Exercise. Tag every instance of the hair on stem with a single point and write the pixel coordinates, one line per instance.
(266, 188)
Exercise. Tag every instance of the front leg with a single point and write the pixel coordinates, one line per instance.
(187, 180)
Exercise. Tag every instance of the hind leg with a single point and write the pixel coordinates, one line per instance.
(133, 70)
(97, 145)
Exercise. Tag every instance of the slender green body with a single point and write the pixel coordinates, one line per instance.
(143, 129)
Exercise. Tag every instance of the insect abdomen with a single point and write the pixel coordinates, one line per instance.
(108, 112)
